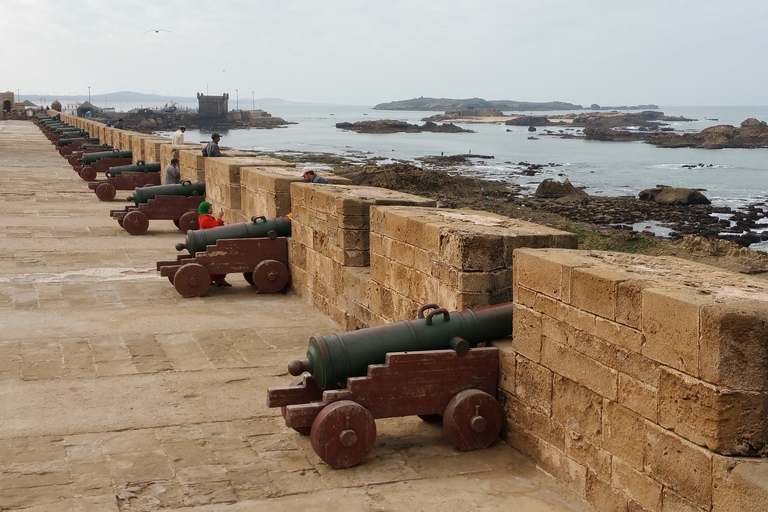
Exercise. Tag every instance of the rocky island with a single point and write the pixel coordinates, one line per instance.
(752, 133)
(393, 126)
(444, 104)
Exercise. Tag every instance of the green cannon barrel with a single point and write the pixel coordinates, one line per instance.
(70, 140)
(258, 227)
(144, 194)
(332, 359)
(92, 157)
(96, 146)
(137, 167)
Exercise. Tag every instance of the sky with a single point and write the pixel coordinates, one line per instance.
(364, 52)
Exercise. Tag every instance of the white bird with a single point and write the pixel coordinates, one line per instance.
(156, 30)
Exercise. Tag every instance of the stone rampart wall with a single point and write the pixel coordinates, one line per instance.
(641, 383)
(638, 381)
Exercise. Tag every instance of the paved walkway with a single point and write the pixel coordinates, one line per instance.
(116, 394)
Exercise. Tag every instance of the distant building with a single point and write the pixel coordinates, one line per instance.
(7, 100)
(213, 106)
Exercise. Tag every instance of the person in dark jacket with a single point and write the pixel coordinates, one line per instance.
(212, 148)
(310, 176)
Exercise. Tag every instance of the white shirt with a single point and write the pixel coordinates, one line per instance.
(178, 138)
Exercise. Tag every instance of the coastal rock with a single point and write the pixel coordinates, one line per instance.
(393, 126)
(552, 189)
(673, 195)
(752, 133)
(610, 135)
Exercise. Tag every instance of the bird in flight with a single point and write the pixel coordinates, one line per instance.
(156, 30)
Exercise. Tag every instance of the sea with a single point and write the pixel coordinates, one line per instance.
(736, 178)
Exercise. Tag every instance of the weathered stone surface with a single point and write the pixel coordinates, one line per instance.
(726, 421)
(621, 430)
(533, 385)
(739, 484)
(734, 345)
(679, 464)
(577, 408)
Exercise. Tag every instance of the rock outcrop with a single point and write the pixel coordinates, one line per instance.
(391, 126)
(751, 134)
(551, 189)
(663, 194)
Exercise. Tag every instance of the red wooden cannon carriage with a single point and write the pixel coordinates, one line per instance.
(180, 209)
(106, 190)
(257, 248)
(341, 422)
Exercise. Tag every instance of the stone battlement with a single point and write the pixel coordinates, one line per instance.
(640, 382)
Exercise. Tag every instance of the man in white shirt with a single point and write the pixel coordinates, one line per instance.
(178, 136)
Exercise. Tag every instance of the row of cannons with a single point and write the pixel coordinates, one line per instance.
(439, 366)
(258, 249)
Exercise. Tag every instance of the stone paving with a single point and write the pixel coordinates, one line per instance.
(117, 394)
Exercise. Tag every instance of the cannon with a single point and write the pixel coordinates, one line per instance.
(139, 166)
(178, 203)
(74, 158)
(258, 227)
(253, 248)
(106, 190)
(332, 359)
(70, 145)
(456, 386)
(93, 163)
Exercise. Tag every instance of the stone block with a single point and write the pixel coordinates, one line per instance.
(588, 453)
(733, 349)
(619, 334)
(526, 329)
(739, 484)
(576, 407)
(679, 464)
(533, 385)
(594, 290)
(579, 368)
(671, 327)
(507, 364)
(728, 422)
(638, 486)
(569, 472)
(537, 270)
(638, 396)
(191, 158)
(629, 302)
(538, 423)
(601, 494)
(622, 430)
(470, 251)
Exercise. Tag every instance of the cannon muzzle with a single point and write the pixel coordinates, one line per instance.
(332, 359)
(92, 157)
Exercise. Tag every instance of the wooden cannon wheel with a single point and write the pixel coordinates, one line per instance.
(192, 280)
(135, 222)
(472, 420)
(73, 159)
(106, 192)
(88, 173)
(269, 276)
(187, 221)
(343, 433)
(65, 151)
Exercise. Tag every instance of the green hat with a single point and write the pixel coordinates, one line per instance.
(203, 208)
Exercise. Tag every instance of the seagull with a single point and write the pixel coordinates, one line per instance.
(156, 30)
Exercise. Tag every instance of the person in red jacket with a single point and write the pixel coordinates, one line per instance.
(205, 220)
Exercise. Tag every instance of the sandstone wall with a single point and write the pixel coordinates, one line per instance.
(636, 380)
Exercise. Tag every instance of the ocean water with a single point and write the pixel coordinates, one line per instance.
(736, 178)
